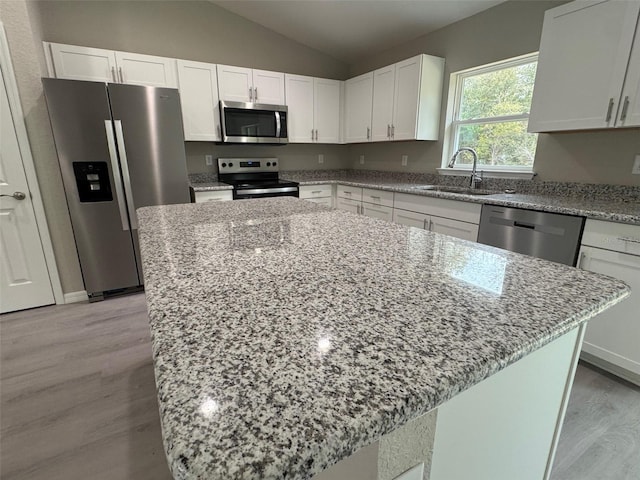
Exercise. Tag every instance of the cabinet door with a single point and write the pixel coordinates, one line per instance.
(316, 191)
(631, 91)
(235, 84)
(584, 52)
(358, 105)
(453, 228)
(382, 111)
(326, 110)
(147, 70)
(299, 99)
(405, 99)
(410, 219)
(613, 335)
(348, 205)
(268, 87)
(326, 201)
(198, 85)
(377, 211)
(83, 63)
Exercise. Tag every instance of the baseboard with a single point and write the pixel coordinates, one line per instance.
(612, 368)
(75, 297)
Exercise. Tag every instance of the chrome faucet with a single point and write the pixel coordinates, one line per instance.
(475, 178)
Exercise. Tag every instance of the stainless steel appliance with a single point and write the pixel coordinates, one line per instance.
(255, 178)
(551, 236)
(253, 123)
(120, 147)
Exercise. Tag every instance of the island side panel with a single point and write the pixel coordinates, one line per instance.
(505, 427)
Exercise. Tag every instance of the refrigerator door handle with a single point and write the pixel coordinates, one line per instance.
(117, 179)
(125, 174)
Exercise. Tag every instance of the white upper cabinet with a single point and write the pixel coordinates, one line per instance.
(326, 110)
(300, 108)
(198, 86)
(358, 104)
(382, 116)
(240, 84)
(95, 64)
(313, 109)
(406, 100)
(585, 51)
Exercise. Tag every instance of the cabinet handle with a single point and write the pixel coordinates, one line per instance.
(250, 94)
(347, 192)
(628, 239)
(113, 74)
(393, 131)
(424, 224)
(609, 110)
(316, 191)
(388, 131)
(316, 134)
(255, 94)
(368, 133)
(312, 135)
(625, 107)
(375, 197)
(430, 224)
(581, 260)
(121, 75)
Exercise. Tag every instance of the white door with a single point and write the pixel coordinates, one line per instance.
(326, 110)
(453, 228)
(584, 52)
(357, 111)
(198, 83)
(382, 111)
(83, 63)
(268, 87)
(24, 276)
(377, 211)
(631, 92)
(300, 108)
(410, 219)
(613, 335)
(235, 84)
(405, 99)
(147, 70)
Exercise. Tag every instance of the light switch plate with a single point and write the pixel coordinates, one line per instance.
(208, 159)
(320, 158)
(405, 158)
(636, 165)
(361, 159)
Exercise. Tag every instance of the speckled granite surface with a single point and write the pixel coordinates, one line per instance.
(286, 336)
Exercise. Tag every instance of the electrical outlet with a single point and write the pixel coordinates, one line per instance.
(208, 159)
(405, 158)
(636, 165)
(320, 158)
(361, 159)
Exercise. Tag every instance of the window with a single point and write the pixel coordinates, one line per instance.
(489, 112)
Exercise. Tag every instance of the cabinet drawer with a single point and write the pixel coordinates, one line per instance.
(348, 205)
(377, 197)
(354, 193)
(214, 196)
(410, 219)
(619, 237)
(377, 211)
(315, 191)
(326, 201)
(440, 207)
(453, 228)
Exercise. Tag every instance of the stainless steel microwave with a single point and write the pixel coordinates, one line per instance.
(253, 122)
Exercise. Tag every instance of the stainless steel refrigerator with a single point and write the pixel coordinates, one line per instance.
(120, 147)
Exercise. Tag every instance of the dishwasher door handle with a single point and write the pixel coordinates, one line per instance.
(530, 226)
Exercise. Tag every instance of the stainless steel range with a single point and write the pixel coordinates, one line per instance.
(255, 178)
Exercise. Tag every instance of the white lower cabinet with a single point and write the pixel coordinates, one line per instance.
(612, 337)
(321, 194)
(449, 217)
(377, 211)
(214, 196)
(348, 205)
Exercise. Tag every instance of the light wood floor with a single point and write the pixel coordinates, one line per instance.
(78, 402)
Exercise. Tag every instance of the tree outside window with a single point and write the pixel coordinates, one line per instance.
(491, 115)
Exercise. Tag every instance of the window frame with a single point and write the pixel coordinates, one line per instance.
(453, 111)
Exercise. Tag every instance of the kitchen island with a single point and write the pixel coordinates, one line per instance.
(288, 337)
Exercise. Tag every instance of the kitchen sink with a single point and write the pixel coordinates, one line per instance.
(461, 190)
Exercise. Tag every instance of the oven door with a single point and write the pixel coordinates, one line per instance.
(244, 193)
(253, 123)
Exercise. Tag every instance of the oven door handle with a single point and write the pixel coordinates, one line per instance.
(278, 125)
(259, 191)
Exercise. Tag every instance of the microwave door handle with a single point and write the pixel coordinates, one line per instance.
(278, 126)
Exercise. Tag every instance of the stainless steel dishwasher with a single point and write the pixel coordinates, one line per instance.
(551, 236)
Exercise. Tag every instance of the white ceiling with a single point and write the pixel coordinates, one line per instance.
(352, 29)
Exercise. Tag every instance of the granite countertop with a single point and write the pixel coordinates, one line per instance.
(210, 186)
(286, 336)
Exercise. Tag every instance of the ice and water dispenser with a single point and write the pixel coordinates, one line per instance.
(92, 179)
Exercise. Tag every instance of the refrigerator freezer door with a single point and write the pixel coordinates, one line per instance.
(149, 134)
(78, 111)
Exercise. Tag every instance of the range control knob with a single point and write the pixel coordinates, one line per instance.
(224, 165)
(275, 164)
(231, 164)
(268, 164)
